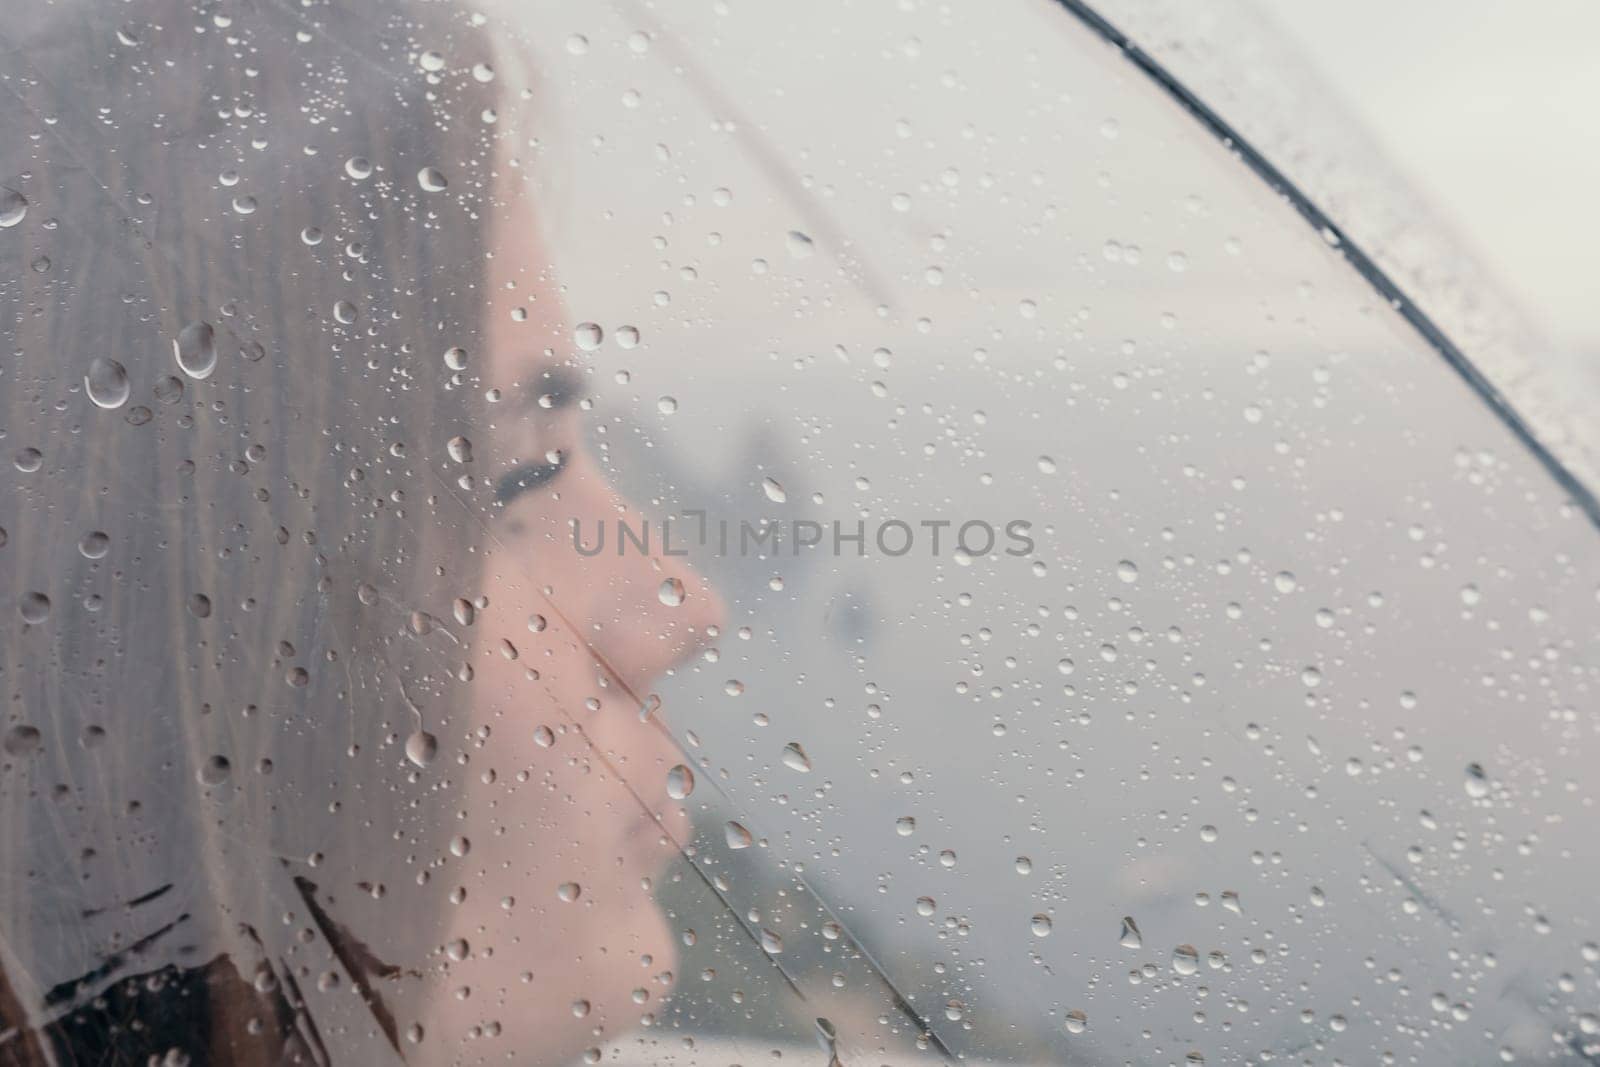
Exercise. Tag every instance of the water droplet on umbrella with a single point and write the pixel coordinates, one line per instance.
(244, 205)
(1185, 960)
(671, 593)
(1130, 936)
(196, 350)
(1477, 782)
(774, 490)
(21, 740)
(358, 167)
(627, 336)
(828, 1038)
(667, 405)
(800, 246)
(13, 208)
(569, 891)
(200, 606)
(169, 389)
(455, 358)
(94, 544)
(421, 748)
(215, 771)
(1047, 465)
(771, 942)
(905, 826)
(680, 782)
(34, 608)
(795, 758)
(1076, 1022)
(588, 335)
(106, 382)
(346, 312)
(738, 837)
(459, 448)
(432, 180)
(1040, 925)
(28, 460)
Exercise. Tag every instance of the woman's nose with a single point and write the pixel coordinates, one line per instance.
(668, 613)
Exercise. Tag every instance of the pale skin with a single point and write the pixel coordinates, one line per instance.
(577, 805)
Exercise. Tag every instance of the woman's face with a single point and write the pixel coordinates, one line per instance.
(567, 810)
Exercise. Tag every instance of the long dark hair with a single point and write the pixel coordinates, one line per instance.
(242, 253)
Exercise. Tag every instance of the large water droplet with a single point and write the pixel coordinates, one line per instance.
(1185, 960)
(1477, 783)
(737, 836)
(34, 608)
(432, 180)
(214, 771)
(771, 942)
(421, 748)
(588, 335)
(13, 208)
(1077, 1022)
(196, 350)
(106, 382)
(1040, 925)
(795, 758)
(568, 892)
(680, 782)
(21, 740)
(799, 245)
(1130, 936)
(774, 490)
(94, 544)
(671, 593)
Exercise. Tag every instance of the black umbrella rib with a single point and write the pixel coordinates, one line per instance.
(1363, 264)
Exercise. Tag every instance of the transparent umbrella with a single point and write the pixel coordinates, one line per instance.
(704, 533)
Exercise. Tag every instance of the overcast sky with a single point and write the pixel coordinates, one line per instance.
(1493, 110)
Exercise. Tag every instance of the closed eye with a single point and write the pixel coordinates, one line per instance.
(519, 480)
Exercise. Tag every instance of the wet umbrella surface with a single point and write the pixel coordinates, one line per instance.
(699, 533)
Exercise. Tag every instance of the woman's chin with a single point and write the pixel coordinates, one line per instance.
(583, 985)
